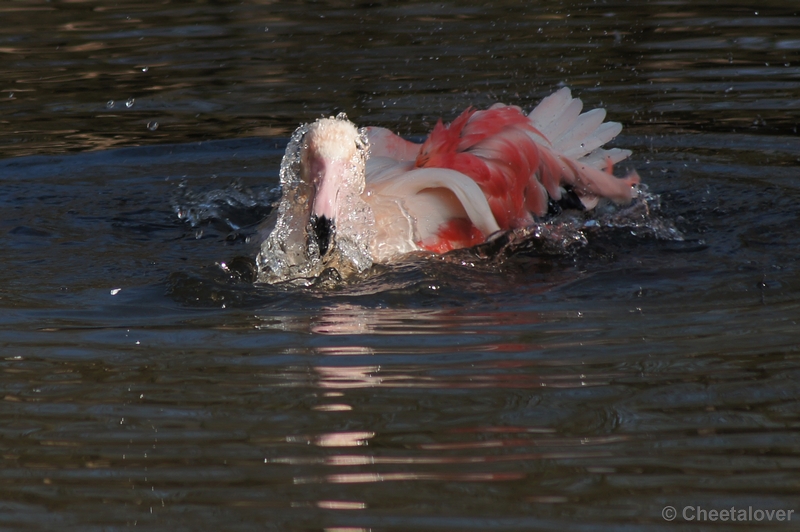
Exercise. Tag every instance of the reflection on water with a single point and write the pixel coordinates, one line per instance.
(143, 385)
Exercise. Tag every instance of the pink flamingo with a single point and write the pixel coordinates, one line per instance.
(353, 197)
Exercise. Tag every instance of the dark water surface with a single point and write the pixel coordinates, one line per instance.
(142, 386)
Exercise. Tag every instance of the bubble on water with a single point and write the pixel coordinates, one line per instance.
(129, 103)
(152, 126)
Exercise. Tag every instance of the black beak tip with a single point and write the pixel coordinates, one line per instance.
(323, 229)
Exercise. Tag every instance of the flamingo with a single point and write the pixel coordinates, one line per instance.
(355, 197)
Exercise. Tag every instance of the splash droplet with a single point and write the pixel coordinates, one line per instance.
(130, 102)
(109, 104)
(152, 126)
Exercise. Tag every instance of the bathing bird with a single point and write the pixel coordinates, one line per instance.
(354, 197)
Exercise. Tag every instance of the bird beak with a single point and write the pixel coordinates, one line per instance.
(324, 231)
(329, 177)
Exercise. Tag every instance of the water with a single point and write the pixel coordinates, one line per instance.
(144, 386)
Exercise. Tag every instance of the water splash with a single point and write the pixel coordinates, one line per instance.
(573, 230)
(642, 217)
(286, 253)
(234, 206)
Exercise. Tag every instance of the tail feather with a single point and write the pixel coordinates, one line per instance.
(589, 177)
(556, 114)
(604, 134)
(550, 109)
(563, 122)
(572, 153)
(599, 158)
(572, 134)
(573, 141)
(589, 183)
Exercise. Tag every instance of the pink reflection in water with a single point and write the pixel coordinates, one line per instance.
(360, 478)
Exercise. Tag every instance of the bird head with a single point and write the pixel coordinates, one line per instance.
(322, 220)
(331, 163)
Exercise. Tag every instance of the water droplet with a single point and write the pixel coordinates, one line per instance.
(11, 94)
(152, 126)
(130, 102)
(109, 104)
(145, 69)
